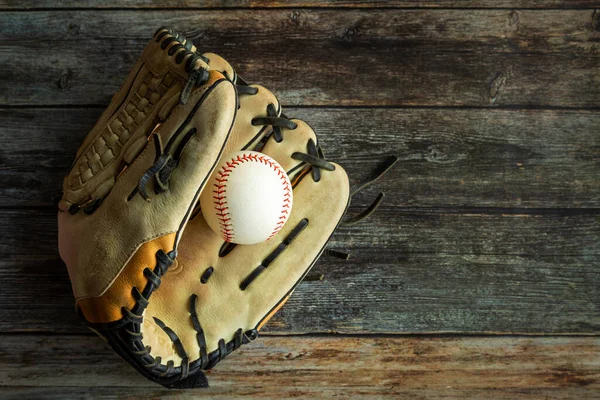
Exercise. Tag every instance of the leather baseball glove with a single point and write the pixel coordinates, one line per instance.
(174, 302)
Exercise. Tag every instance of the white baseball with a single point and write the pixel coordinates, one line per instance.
(248, 198)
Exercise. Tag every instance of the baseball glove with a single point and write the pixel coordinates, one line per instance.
(174, 313)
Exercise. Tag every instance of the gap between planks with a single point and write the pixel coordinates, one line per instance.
(508, 107)
(361, 335)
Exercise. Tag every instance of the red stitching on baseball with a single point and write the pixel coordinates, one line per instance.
(284, 207)
(220, 200)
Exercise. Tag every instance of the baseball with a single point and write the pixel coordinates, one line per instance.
(248, 198)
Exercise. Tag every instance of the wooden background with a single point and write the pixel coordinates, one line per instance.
(479, 277)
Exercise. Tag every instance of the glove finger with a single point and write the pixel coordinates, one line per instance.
(182, 152)
(107, 248)
(247, 134)
(256, 104)
(293, 140)
(218, 63)
(146, 98)
(125, 220)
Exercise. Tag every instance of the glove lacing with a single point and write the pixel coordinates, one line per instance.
(134, 317)
(315, 158)
(165, 163)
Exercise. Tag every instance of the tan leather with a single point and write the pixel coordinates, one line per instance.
(104, 251)
(222, 307)
(133, 112)
(218, 63)
(251, 106)
(107, 307)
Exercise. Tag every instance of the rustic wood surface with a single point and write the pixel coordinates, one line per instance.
(409, 271)
(361, 57)
(479, 277)
(324, 367)
(201, 4)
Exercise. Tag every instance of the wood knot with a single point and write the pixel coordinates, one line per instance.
(291, 356)
(596, 20)
(295, 17)
(513, 20)
(314, 277)
(65, 78)
(33, 183)
(441, 154)
(73, 29)
(496, 83)
(350, 33)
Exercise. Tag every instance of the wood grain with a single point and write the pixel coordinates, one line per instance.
(183, 4)
(483, 58)
(491, 224)
(408, 272)
(323, 367)
(448, 157)
(260, 391)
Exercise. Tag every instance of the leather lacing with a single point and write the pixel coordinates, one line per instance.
(134, 318)
(163, 262)
(165, 163)
(314, 157)
(182, 50)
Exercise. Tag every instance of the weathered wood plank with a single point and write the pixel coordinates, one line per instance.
(448, 157)
(305, 367)
(452, 392)
(320, 57)
(49, 4)
(425, 272)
